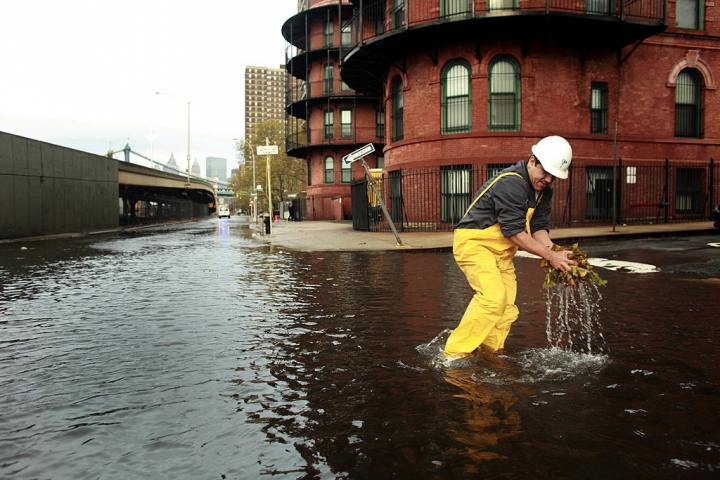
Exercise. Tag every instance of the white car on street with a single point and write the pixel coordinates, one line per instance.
(224, 211)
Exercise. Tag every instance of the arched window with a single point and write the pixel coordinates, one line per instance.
(329, 169)
(456, 95)
(688, 104)
(397, 110)
(504, 95)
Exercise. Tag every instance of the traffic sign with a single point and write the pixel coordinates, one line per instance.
(267, 150)
(358, 154)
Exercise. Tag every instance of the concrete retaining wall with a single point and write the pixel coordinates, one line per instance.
(47, 189)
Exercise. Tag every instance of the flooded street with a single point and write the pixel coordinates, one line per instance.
(198, 352)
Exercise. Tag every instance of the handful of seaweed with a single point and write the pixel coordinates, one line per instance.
(582, 271)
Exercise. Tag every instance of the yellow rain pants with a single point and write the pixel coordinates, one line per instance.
(486, 258)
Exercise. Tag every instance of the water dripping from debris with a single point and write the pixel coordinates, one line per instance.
(573, 318)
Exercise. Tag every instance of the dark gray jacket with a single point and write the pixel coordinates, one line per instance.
(507, 203)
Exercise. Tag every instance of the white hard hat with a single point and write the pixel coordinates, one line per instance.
(554, 154)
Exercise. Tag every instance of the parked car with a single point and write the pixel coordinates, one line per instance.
(224, 211)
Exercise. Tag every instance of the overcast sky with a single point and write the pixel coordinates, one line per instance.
(83, 73)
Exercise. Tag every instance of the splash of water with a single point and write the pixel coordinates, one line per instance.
(573, 318)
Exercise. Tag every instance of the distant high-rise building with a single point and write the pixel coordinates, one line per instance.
(171, 166)
(216, 167)
(264, 97)
(195, 169)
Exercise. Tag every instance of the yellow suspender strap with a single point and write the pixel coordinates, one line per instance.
(488, 188)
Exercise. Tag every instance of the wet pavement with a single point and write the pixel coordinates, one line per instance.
(207, 350)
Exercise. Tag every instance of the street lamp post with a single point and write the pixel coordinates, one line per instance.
(254, 195)
(255, 187)
(188, 155)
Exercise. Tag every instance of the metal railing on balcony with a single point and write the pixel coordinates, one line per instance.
(435, 198)
(297, 136)
(300, 91)
(377, 17)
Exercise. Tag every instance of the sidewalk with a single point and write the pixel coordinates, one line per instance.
(340, 236)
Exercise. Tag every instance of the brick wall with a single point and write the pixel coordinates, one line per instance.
(555, 99)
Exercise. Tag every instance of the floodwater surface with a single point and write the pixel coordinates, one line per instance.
(198, 352)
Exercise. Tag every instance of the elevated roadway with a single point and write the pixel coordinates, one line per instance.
(150, 194)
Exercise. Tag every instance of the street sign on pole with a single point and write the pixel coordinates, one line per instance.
(359, 153)
(267, 150)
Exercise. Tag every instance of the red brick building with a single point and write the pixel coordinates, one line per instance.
(328, 119)
(468, 86)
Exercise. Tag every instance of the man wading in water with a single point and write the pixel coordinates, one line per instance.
(511, 210)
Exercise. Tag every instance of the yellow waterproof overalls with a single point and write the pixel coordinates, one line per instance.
(486, 258)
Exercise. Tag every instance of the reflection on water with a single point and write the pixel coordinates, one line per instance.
(198, 352)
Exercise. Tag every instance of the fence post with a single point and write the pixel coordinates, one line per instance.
(666, 196)
(712, 185)
(619, 193)
(571, 196)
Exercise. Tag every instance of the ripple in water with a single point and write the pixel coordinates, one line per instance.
(526, 366)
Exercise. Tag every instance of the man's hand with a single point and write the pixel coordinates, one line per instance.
(560, 261)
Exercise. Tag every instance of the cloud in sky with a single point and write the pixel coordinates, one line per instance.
(83, 73)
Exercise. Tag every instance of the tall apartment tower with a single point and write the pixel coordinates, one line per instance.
(326, 118)
(264, 97)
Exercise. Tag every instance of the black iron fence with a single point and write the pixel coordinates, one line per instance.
(435, 198)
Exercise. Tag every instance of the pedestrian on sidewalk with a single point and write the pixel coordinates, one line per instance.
(510, 210)
(291, 211)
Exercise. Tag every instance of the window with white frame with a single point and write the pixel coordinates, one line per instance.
(329, 124)
(345, 172)
(398, 14)
(329, 33)
(346, 35)
(345, 123)
(449, 8)
(329, 78)
(456, 192)
(598, 108)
